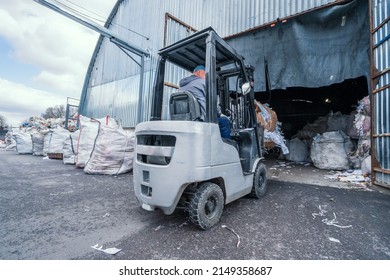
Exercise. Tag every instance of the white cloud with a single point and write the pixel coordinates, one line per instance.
(58, 47)
(19, 102)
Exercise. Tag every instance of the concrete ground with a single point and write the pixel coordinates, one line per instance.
(49, 210)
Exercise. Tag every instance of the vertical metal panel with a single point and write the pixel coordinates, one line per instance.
(112, 80)
(380, 84)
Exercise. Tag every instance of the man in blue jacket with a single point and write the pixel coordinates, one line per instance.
(195, 84)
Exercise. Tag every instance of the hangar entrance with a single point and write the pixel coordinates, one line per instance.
(318, 66)
(298, 106)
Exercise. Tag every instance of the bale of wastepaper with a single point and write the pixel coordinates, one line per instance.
(266, 117)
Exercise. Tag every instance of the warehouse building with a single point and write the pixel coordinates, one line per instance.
(321, 56)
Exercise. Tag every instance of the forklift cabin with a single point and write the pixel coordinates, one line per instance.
(181, 162)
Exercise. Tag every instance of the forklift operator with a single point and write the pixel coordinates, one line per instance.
(195, 84)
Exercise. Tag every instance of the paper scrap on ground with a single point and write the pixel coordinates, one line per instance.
(232, 230)
(334, 222)
(334, 240)
(326, 221)
(111, 251)
(321, 213)
(355, 177)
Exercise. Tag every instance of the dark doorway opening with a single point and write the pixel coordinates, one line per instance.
(297, 106)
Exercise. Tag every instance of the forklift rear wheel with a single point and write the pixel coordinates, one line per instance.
(259, 181)
(206, 205)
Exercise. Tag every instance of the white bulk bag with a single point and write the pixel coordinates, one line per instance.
(331, 150)
(113, 151)
(23, 143)
(88, 133)
(70, 148)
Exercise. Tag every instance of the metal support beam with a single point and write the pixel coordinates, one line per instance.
(100, 29)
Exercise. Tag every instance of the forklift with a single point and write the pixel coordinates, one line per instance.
(183, 163)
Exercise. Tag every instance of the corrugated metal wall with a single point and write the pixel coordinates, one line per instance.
(380, 73)
(112, 82)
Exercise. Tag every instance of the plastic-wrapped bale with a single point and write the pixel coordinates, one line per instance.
(299, 151)
(23, 143)
(70, 148)
(113, 152)
(37, 139)
(54, 142)
(89, 129)
(331, 150)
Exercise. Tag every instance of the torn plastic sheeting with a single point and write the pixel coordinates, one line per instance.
(111, 251)
(309, 50)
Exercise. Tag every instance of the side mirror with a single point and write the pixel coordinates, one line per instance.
(246, 88)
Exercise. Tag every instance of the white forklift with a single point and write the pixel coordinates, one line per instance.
(180, 162)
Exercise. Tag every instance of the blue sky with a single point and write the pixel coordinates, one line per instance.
(10, 67)
(43, 56)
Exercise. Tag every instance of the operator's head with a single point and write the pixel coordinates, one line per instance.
(200, 71)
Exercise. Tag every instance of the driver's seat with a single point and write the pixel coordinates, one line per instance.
(183, 106)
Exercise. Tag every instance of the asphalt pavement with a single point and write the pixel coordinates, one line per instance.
(49, 210)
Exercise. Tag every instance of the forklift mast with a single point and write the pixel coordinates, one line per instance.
(221, 62)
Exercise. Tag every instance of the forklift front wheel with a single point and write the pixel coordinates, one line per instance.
(259, 181)
(206, 205)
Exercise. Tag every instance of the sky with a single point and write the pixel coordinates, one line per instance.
(44, 56)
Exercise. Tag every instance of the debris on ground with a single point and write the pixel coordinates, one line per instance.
(334, 222)
(326, 221)
(355, 177)
(232, 230)
(334, 240)
(158, 228)
(111, 251)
